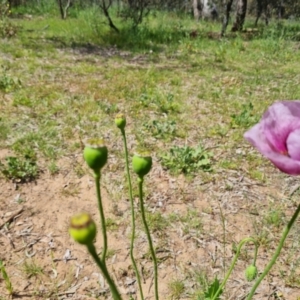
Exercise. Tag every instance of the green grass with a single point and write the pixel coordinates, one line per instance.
(176, 288)
(6, 279)
(31, 268)
(186, 159)
(19, 169)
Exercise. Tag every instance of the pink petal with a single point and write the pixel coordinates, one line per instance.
(279, 121)
(293, 144)
(257, 138)
(277, 136)
(285, 163)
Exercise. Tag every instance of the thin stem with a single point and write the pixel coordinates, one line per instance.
(276, 254)
(255, 254)
(102, 217)
(246, 240)
(102, 266)
(140, 181)
(137, 274)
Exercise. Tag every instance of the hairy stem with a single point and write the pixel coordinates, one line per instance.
(276, 254)
(102, 266)
(102, 217)
(140, 181)
(137, 274)
(246, 240)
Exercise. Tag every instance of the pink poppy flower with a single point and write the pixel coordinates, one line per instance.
(277, 136)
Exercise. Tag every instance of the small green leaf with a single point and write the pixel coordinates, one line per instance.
(212, 290)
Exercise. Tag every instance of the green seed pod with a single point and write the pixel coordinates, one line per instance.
(251, 272)
(120, 121)
(83, 229)
(95, 154)
(141, 164)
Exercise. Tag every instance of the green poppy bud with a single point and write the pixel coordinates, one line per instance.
(83, 229)
(120, 121)
(251, 272)
(95, 154)
(141, 164)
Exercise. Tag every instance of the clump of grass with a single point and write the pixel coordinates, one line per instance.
(111, 224)
(191, 221)
(19, 169)
(211, 292)
(274, 217)
(6, 278)
(187, 160)
(156, 99)
(165, 130)
(32, 269)
(245, 118)
(7, 82)
(176, 288)
(156, 221)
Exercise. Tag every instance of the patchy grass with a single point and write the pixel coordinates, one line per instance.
(176, 288)
(187, 160)
(19, 169)
(31, 268)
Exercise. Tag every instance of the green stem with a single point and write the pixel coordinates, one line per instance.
(137, 274)
(102, 217)
(246, 240)
(140, 181)
(102, 266)
(255, 254)
(276, 254)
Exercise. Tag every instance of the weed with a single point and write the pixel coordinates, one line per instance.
(262, 237)
(71, 190)
(32, 269)
(111, 225)
(6, 278)
(157, 100)
(8, 83)
(257, 175)
(292, 278)
(212, 289)
(191, 221)
(202, 281)
(245, 118)
(156, 222)
(274, 217)
(79, 170)
(7, 28)
(220, 54)
(45, 141)
(229, 164)
(187, 160)
(176, 288)
(53, 168)
(162, 129)
(219, 130)
(4, 129)
(108, 108)
(19, 169)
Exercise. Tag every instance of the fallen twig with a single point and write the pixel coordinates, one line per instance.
(9, 219)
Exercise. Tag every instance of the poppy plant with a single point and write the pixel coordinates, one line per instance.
(277, 136)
